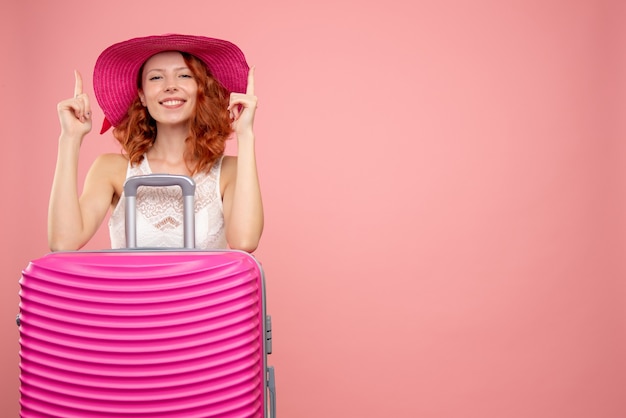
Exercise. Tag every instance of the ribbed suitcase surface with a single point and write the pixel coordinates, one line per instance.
(142, 334)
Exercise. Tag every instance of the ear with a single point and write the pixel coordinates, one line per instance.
(142, 98)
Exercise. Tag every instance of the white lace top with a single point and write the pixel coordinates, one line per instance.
(160, 212)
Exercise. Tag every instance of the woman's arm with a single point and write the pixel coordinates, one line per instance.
(243, 207)
(73, 221)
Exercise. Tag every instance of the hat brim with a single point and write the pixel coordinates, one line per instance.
(117, 67)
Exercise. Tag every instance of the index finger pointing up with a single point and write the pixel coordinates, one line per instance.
(78, 86)
(250, 87)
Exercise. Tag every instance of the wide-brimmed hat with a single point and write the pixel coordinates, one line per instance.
(117, 67)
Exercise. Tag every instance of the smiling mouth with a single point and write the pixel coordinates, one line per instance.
(172, 102)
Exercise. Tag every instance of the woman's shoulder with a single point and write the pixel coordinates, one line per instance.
(229, 165)
(111, 161)
(111, 166)
(229, 162)
(228, 172)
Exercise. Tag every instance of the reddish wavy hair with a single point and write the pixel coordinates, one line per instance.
(209, 128)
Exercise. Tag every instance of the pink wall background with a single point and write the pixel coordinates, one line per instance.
(444, 185)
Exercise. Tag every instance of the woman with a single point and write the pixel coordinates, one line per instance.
(173, 101)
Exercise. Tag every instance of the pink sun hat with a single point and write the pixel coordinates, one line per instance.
(117, 68)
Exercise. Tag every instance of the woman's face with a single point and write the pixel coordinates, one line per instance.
(169, 89)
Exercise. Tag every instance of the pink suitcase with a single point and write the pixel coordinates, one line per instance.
(145, 332)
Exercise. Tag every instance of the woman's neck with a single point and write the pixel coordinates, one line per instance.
(168, 149)
(170, 140)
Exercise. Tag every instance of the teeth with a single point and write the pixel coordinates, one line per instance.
(173, 102)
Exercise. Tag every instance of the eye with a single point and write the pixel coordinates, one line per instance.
(154, 77)
(186, 76)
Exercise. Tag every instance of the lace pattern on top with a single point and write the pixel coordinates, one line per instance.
(160, 212)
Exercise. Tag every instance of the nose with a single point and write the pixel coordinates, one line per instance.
(170, 84)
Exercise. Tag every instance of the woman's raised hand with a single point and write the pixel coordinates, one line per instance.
(243, 106)
(75, 113)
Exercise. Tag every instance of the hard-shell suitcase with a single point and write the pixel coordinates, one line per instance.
(145, 332)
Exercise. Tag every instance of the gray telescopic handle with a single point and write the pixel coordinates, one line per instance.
(188, 187)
